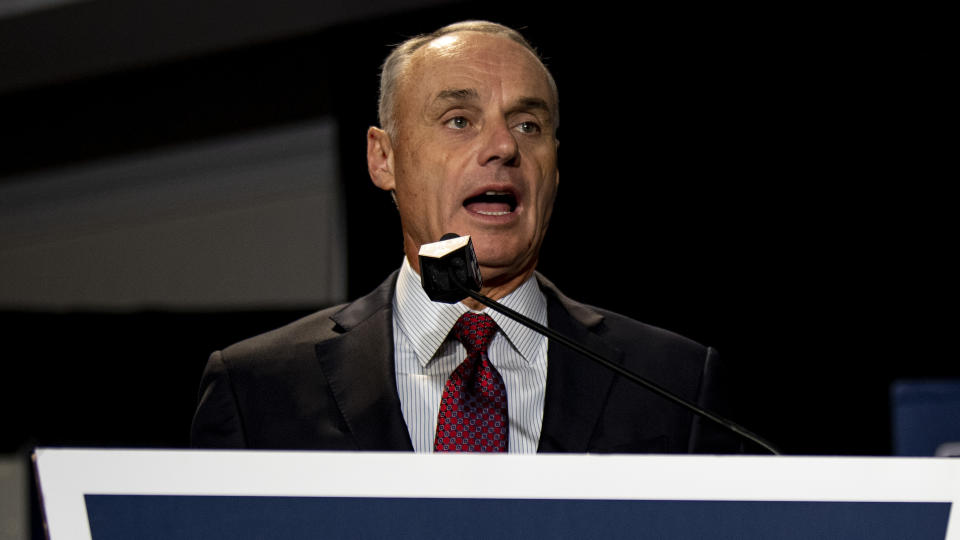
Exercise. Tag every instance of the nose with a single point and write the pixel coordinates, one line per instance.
(499, 146)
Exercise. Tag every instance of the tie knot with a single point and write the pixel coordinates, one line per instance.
(474, 330)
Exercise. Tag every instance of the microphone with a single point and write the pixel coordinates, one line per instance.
(448, 264)
(449, 272)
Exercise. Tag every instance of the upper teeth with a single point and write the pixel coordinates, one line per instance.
(496, 193)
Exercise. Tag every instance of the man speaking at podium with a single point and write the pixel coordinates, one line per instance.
(468, 145)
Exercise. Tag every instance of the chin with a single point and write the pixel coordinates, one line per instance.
(501, 263)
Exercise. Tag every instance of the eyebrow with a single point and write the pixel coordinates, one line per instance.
(458, 94)
(528, 103)
(524, 103)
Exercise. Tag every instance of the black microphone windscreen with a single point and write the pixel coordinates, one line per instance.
(446, 263)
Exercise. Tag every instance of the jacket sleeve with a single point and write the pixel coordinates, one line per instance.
(217, 422)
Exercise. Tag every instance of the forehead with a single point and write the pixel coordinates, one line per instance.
(486, 62)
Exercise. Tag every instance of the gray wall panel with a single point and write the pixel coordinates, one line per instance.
(248, 221)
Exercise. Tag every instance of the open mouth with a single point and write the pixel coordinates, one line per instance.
(492, 203)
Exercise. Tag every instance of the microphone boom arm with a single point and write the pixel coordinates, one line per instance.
(620, 370)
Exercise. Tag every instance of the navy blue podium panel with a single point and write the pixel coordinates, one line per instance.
(185, 495)
(189, 517)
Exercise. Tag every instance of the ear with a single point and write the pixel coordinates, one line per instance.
(380, 159)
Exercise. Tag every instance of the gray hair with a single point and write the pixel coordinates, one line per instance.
(395, 64)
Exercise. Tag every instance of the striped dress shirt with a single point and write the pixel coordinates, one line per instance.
(425, 354)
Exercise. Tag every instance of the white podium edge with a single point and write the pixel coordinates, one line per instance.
(66, 475)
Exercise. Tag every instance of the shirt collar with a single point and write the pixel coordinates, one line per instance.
(427, 324)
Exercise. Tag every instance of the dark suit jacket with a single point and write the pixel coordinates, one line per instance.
(327, 382)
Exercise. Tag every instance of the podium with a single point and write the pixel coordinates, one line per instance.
(198, 494)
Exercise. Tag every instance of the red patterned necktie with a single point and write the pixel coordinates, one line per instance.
(473, 411)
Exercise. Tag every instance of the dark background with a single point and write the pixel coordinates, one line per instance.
(769, 182)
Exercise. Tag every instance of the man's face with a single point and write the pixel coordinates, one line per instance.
(475, 151)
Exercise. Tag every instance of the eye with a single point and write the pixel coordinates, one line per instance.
(458, 122)
(528, 127)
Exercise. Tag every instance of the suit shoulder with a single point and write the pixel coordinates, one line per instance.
(294, 340)
(675, 361)
(621, 331)
(622, 328)
(294, 345)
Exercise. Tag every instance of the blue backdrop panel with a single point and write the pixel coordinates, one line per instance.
(925, 415)
(121, 517)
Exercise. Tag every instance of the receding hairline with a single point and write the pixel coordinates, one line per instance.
(397, 65)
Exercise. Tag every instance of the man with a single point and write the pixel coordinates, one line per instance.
(468, 145)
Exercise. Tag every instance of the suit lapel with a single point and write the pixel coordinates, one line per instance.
(360, 371)
(577, 387)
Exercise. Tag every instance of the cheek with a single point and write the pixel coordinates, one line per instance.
(547, 209)
(412, 180)
(544, 164)
(547, 190)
